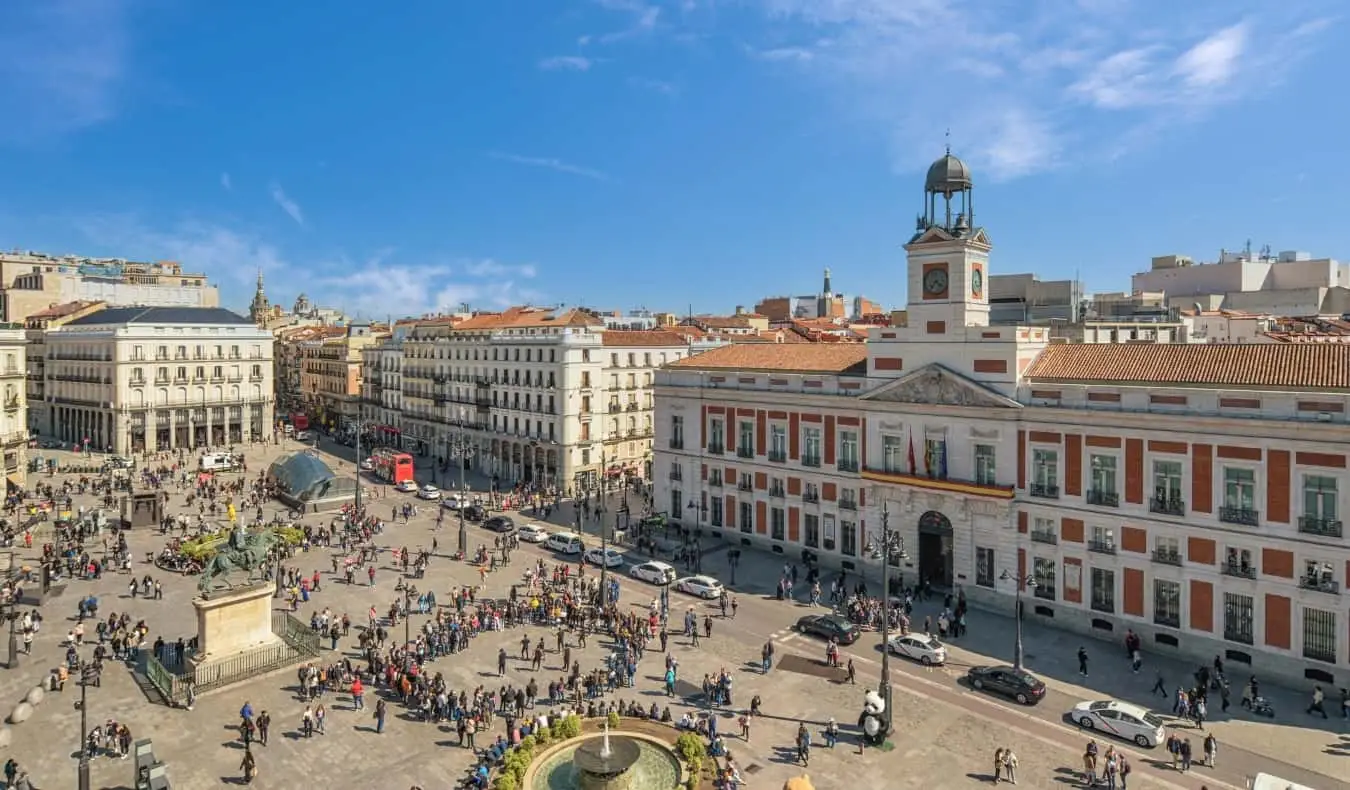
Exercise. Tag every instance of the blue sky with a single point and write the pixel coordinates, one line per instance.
(660, 153)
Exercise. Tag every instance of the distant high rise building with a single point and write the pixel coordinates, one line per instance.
(31, 282)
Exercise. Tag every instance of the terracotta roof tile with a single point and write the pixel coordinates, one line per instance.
(848, 359)
(62, 310)
(525, 317)
(1293, 366)
(650, 337)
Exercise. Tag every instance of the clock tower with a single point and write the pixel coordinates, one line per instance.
(948, 257)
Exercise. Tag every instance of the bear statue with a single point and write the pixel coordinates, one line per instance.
(874, 721)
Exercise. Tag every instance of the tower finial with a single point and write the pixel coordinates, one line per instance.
(949, 140)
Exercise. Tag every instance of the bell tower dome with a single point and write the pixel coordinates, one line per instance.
(948, 255)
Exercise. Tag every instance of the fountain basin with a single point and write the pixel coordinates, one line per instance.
(635, 762)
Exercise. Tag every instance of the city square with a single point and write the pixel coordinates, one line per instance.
(945, 733)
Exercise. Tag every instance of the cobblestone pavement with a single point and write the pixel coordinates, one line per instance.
(945, 734)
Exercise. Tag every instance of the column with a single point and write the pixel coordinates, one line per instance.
(173, 430)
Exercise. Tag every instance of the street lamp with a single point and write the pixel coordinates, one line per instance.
(1030, 583)
(700, 515)
(601, 486)
(462, 449)
(87, 676)
(892, 545)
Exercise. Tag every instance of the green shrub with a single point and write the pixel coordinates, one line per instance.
(528, 743)
(542, 736)
(613, 719)
(690, 747)
(691, 783)
(556, 730)
(570, 726)
(506, 781)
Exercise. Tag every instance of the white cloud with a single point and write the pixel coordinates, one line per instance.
(998, 75)
(566, 63)
(491, 268)
(287, 205)
(379, 287)
(642, 19)
(225, 182)
(63, 65)
(550, 163)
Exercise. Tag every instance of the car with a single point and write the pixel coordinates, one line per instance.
(1009, 682)
(304, 436)
(500, 524)
(119, 462)
(406, 486)
(565, 543)
(430, 492)
(702, 586)
(1122, 720)
(653, 572)
(918, 647)
(607, 557)
(474, 513)
(532, 533)
(829, 626)
(367, 466)
(451, 501)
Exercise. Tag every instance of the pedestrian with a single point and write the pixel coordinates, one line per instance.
(1186, 755)
(998, 765)
(745, 727)
(1211, 750)
(380, 710)
(1159, 686)
(1082, 661)
(1010, 765)
(249, 766)
(264, 724)
(1316, 706)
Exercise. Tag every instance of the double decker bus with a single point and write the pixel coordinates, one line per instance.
(391, 466)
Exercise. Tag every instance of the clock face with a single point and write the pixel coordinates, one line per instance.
(935, 281)
(977, 282)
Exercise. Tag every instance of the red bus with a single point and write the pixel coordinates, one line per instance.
(392, 466)
(300, 422)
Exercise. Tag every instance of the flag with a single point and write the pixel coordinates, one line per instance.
(928, 458)
(911, 454)
(942, 461)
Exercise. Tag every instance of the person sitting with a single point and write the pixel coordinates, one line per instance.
(718, 747)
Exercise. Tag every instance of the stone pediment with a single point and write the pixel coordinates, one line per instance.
(937, 386)
(936, 234)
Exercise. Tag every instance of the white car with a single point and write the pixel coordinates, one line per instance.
(406, 486)
(532, 533)
(702, 586)
(367, 466)
(304, 436)
(452, 501)
(653, 572)
(606, 557)
(430, 492)
(919, 647)
(1121, 720)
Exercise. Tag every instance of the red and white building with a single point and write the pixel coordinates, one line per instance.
(1190, 492)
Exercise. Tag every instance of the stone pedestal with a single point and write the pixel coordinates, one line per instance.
(232, 622)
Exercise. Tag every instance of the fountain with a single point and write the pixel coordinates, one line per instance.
(599, 762)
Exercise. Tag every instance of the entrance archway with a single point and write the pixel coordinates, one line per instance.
(935, 550)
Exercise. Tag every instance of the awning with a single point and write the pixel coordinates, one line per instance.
(12, 483)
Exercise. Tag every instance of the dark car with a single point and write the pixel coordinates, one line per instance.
(474, 513)
(827, 626)
(502, 524)
(1010, 682)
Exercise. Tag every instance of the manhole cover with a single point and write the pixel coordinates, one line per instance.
(753, 768)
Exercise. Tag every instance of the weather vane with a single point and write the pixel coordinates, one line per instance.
(949, 139)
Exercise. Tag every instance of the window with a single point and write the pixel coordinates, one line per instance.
(1167, 603)
(811, 447)
(1167, 550)
(137, 353)
(1239, 497)
(745, 439)
(811, 531)
(777, 443)
(676, 499)
(811, 493)
(1238, 620)
(1318, 575)
(848, 538)
(1043, 572)
(746, 520)
(676, 432)
(613, 360)
(717, 511)
(984, 566)
(1103, 590)
(1319, 503)
(1102, 490)
(893, 455)
(848, 451)
(777, 523)
(1043, 530)
(985, 471)
(716, 436)
(829, 542)
(1103, 540)
(1044, 473)
(1319, 635)
(1167, 496)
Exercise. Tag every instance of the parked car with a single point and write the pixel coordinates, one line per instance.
(429, 492)
(452, 501)
(474, 513)
(565, 543)
(367, 466)
(654, 572)
(500, 524)
(532, 533)
(607, 557)
(702, 586)
(1122, 720)
(1007, 681)
(827, 626)
(406, 486)
(918, 647)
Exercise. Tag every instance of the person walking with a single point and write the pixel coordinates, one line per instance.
(998, 765)
(1082, 661)
(1317, 699)
(249, 766)
(1010, 764)
(1211, 750)
(380, 712)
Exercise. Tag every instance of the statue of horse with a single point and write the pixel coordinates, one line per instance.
(228, 560)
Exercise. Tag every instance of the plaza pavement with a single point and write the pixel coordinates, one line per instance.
(945, 734)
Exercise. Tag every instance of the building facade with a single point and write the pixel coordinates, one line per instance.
(1191, 493)
(382, 386)
(330, 373)
(33, 282)
(141, 379)
(14, 404)
(36, 328)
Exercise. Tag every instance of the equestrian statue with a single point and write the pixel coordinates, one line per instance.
(242, 553)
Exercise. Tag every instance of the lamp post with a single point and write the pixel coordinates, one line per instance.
(1030, 583)
(700, 515)
(891, 545)
(11, 614)
(461, 449)
(86, 677)
(601, 486)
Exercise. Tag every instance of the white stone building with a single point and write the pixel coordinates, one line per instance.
(135, 379)
(14, 404)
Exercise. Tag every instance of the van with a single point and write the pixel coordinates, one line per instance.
(565, 543)
(217, 462)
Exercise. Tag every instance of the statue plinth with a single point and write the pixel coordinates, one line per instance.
(234, 621)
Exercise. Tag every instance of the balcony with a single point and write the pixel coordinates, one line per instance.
(714, 482)
(1167, 505)
(811, 460)
(1046, 536)
(716, 449)
(746, 486)
(1328, 586)
(631, 407)
(1101, 546)
(1169, 620)
(1240, 636)
(777, 492)
(945, 484)
(848, 464)
(777, 456)
(1046, 490)
(255, 377)
(848, 504)
(811, 497)
(1323, 527)
(1103, 497)
(615, 408)
(1240, 515)
(745, 451)
(1238, 571)
(676, 444)
(676, 475)
(137, 382)
(1167, 556)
